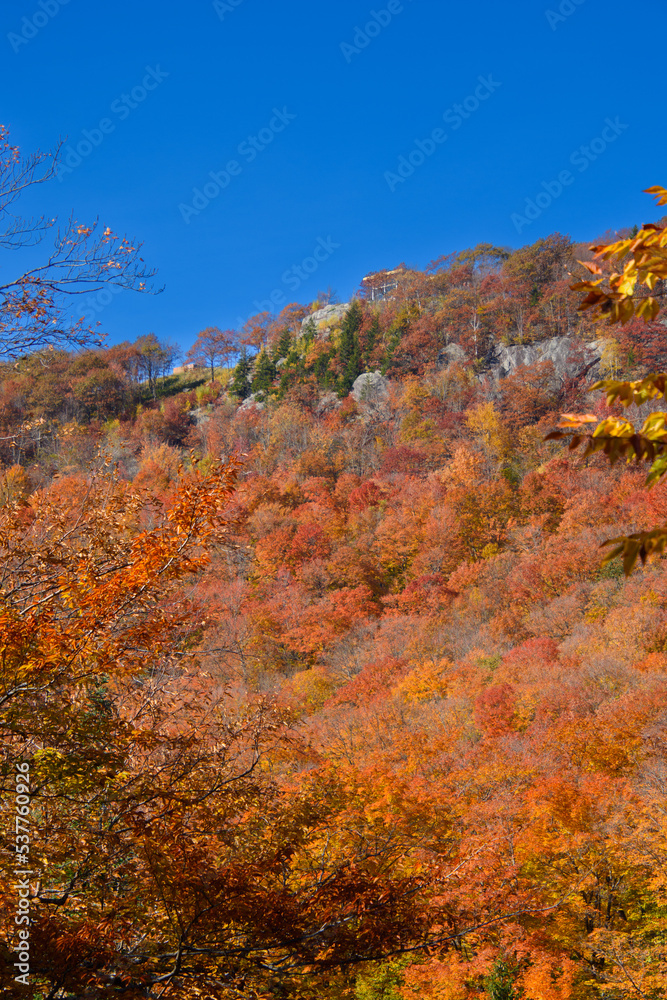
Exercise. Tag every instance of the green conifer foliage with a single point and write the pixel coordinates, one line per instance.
(499, 984)
(283, 346)
(241, 377)
(349, 350)
(265, 373)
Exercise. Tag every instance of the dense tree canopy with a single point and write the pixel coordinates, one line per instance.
(330, 696)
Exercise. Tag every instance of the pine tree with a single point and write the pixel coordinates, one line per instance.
(265, 373)
(322, 371)
(309, 333)
(292, 372)
(499, 985)
(239, 385)
(282, 348)
(349, 351)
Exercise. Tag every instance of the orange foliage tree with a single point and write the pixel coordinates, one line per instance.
(213, 347)
(176, 842)
(635, 291)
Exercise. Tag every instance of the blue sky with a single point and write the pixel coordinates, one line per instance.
(304, 111)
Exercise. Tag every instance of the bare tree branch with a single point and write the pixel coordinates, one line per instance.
(36, 304)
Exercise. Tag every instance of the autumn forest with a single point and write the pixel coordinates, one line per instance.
(310, 648)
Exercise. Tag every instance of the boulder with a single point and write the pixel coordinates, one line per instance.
(325, 319)
(327, 402)
(371, 388)
(252, 402)
(201, 415)
(569, 356)
(450, 355)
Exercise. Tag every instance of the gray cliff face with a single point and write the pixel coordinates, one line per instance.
(568, 356)
(371, 388)
(252, 402)
(327, 403)
(451, 355)
(325, 319)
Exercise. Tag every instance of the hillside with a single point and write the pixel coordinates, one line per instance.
(468, 710)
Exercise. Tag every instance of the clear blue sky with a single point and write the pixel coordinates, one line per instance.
(324, 170)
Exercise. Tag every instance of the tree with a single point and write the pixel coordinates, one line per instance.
(256, 330)
(155, 359)
(465, 300)
(264, 373)
(124, 359)
(330, 296)
(242, 376)
(95, 386)
(528, 393)
(36, 305)
(349, 351)
(499, 985)
(139, 780)
(372, 336)
(635, 291)
(541, 263)
(213, 347)
(638, 289)
(642, 346)
(92, 597)
(282, 346)
(291, 317)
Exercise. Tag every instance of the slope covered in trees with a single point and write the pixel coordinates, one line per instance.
(328, 696)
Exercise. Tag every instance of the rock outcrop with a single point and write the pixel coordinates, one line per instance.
(570, 357)
(327, 403)
(451, 355)
(253, 402)
(371, 388)
(325, 319)
(201, 415)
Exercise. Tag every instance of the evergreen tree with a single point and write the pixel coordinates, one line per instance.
(322, 371)
(282, 348)
(309, 333)
(265, 373)
(499, 985)
(292, 372)
(239, 385)
(349, 351)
